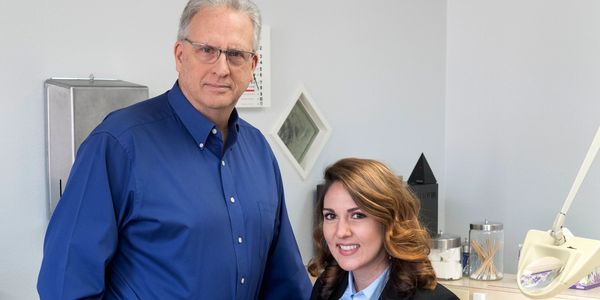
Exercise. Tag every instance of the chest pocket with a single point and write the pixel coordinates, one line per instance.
(268, 220)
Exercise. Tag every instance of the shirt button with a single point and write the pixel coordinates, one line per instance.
(232, 200)
(243, 280)
(223, 163)
(201, 145)
(214, 131)
(240, 240)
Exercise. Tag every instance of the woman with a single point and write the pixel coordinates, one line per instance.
(369, 241)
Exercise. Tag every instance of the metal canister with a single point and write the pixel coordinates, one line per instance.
(487, 251)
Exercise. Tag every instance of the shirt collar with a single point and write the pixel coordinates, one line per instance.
(195, 122)
(373, 291)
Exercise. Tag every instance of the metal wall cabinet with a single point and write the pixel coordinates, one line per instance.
(74, 107)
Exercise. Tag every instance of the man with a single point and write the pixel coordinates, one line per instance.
(176, 197)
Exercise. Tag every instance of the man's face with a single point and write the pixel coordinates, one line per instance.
(214, 88)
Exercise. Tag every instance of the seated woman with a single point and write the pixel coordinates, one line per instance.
(369, 242)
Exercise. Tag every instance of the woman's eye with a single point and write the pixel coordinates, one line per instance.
(358, 215)
(329, 216)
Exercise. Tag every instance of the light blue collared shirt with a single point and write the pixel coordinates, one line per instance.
(372, 292)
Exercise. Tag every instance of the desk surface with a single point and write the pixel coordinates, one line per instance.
(509, 285)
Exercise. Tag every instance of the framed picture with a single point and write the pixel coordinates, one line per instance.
(302, 132)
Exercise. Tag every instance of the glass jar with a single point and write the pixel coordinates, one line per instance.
(445, 256)
(487, 251)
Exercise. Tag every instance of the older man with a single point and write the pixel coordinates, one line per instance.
(177, 197)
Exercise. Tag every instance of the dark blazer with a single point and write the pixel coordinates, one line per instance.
(389, 293)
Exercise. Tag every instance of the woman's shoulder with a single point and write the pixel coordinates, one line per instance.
(317, 287)
(337, 289)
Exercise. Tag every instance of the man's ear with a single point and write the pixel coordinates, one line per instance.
(254, 62)
(178, 53)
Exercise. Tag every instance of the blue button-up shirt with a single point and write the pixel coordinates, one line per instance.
(157, 206)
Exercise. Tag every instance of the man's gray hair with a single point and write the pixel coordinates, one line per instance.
(246, 6)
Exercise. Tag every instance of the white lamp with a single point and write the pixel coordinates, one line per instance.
(552, 261)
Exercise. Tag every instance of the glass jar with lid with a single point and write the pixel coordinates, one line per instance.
(487, 251)
(445, 256)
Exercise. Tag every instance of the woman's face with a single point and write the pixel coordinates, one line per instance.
(354, 238)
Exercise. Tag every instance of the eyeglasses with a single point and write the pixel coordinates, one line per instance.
(209, 54)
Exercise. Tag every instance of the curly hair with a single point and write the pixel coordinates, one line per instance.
(381, 194)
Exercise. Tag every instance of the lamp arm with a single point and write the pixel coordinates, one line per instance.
(559, 221)
(557, 233)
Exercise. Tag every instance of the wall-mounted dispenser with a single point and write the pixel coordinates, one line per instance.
(74, 107)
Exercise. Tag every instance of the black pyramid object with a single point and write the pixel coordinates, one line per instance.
(424, 185)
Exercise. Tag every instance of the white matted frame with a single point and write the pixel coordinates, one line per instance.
(302, 132)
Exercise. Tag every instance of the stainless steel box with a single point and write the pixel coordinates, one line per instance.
(74, 107)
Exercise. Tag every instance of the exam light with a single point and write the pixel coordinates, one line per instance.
(552, 261)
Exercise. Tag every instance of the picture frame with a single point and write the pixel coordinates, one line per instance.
(302, 132)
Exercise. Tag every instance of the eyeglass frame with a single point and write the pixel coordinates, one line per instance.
(197, 45)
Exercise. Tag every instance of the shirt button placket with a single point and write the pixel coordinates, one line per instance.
(237, 226)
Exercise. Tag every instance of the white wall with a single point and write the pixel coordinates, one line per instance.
(522, 106)
(376, 70)
(41, 39)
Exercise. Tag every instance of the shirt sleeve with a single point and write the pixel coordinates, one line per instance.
(285, 276)
(82, 234)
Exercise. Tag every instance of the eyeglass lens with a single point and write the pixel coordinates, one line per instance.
(210, 54)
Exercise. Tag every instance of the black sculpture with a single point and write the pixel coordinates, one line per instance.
(424, 185)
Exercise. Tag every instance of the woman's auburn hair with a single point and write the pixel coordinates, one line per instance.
(383, 196)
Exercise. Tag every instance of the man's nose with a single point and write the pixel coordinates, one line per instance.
(221, 66)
